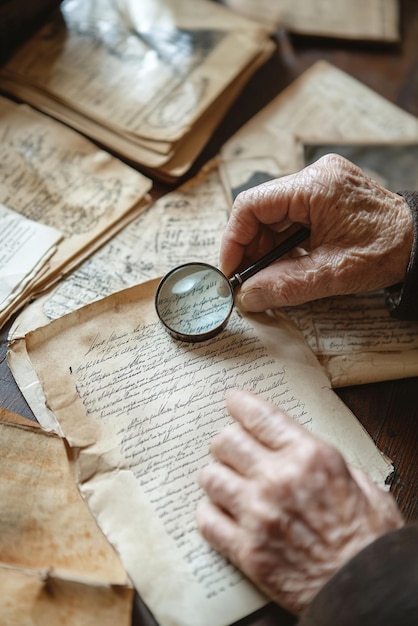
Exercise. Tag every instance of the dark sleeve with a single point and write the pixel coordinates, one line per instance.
(378, 587)
(402, 299)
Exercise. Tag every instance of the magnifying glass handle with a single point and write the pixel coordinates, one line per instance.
(277, 252)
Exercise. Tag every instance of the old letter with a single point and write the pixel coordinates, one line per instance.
(139, 410)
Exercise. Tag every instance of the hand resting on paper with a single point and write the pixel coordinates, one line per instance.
(284, 506)
(361, 235)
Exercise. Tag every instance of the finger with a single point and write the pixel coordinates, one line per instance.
(238, 449)
(271, 426)
(224, 487)
(266, 204)
(220, 530)
(324, 272)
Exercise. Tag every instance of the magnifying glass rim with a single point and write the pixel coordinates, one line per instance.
(193, 337)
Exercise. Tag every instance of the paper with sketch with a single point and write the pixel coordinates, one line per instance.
(139, 410)
(54, 560)
(373, 20)
(139, 79)
(60, 180)
(25, 246)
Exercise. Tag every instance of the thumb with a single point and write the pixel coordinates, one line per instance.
(288, 282)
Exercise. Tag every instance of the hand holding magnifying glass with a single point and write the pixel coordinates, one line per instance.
(194, 301)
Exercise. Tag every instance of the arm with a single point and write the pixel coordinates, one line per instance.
(377, 586)
(361, 235)
(284, 506)
(402, 298)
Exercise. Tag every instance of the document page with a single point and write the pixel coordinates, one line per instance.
(25, 245)
(139, 410)
(149, 82)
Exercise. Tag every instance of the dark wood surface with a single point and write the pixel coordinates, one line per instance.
(387, 410)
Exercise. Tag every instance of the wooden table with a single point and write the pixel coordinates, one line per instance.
(388, 410)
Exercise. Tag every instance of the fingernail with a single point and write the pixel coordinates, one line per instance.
(247, 300)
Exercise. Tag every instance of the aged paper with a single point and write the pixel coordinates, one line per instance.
(54, 560)
(139, 80)
(58, 179)
(139, 410)
(373, 20)
(323, 105)
(25, 246)
(356, 339)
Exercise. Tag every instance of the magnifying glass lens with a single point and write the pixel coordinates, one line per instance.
(194, 301)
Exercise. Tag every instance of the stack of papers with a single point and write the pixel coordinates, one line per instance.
(149, 81)
(60, 199)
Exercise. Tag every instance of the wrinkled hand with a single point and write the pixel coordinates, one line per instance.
(283, 505)
(361, 235)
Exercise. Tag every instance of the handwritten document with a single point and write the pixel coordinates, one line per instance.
(60, 180)
(374, 20)
(54, 560)
(139, 409)
(25, 246)
(357, 340)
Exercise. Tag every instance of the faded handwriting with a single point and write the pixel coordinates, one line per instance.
(163, 401)
(34, 182)
(53, 176)
(353, 324)
(185, 225)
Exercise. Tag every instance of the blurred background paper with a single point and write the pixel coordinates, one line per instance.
(368, 20)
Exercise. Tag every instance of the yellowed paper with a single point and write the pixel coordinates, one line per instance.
(58, 179)
(356, 339)
(139, 411)
(30, 598)
(373, 20)
(184, 225)
(323, 105)
(25, 246)
(54, 560)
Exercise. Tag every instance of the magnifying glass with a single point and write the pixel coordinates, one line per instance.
(194, 301)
